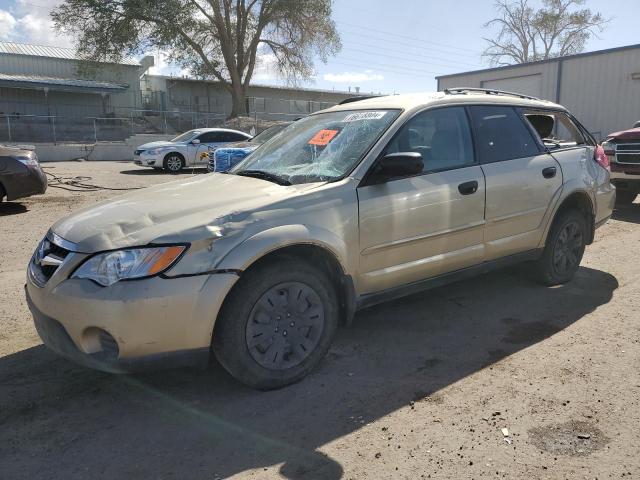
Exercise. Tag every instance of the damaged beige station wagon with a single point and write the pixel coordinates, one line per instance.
(361, 203)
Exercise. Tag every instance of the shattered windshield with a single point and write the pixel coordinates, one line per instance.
(269, 133)
(320, 147)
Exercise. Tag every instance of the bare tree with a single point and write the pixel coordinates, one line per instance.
(524, 34)
(218, 39)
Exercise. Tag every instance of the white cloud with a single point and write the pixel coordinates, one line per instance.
(24, 22)
(7, 24)
(163, 67)
(265, 69)
(39, 30)
(353, 77)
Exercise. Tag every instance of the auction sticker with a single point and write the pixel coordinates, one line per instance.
(364, 116)
(323, 137)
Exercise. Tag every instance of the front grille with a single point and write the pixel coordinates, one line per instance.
(46, 260)
(628, 158)
(628, 147)
(627, 152)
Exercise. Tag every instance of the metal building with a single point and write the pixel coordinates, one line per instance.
(175, 94)
(40, 80)
(601, 88)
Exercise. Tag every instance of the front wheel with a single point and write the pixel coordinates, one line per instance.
(277, 324)
(564, 249)
(173, 163)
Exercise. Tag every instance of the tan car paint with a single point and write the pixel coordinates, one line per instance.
(419, 227)
(518, 198)
(424, 227)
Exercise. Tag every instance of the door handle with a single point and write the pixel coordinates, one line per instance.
(549, 172)
(468, 188)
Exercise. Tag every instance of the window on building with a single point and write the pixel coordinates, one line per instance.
(501, 134)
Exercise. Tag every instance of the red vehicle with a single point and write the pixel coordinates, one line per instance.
(623, 151)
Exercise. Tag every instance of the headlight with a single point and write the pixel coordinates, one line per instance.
(111, 267)
(28, 160)
(609, 147)
(155, 151)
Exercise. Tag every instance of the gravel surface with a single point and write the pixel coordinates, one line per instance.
(418, 388)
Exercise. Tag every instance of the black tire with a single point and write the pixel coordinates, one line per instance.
(2, 193)
(173, 162)
(238, 318)
(564, 249)
(625, 197)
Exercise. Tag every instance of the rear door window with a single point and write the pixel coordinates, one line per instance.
(556, 129)
(501, 134)
(210, 137)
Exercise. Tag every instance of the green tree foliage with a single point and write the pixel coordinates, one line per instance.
(215, 39)
(525, 34)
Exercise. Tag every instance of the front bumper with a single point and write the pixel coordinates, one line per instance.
(32, 181)
(147, 161)
(131, 325)
(625, 176)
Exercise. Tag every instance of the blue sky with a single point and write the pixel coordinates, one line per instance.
(388, 46)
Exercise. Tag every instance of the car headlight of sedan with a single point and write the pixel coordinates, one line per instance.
(135, 263)
(155, 151)
(28, 160)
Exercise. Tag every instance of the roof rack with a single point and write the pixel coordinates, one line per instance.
(488, 91)
(357, 99)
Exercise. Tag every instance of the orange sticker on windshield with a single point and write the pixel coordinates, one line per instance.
(323, 137)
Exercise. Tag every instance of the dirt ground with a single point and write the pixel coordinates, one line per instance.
(418, 388)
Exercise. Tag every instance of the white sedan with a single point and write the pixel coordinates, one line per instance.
(187, 150)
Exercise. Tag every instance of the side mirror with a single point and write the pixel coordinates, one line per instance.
(195, 141)
(398, 165)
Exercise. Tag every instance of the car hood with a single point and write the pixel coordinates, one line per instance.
(186, 210)
(163, 143)
(631, 134)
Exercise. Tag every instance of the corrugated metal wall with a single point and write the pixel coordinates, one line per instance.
(599, 88)
(66, 103)
(272, 103)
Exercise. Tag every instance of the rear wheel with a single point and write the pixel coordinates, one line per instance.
(564, 249)
(277, 324)
(173, 162)
(625, 197)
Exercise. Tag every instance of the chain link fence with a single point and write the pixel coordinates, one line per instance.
(122, 123)
(63, 129)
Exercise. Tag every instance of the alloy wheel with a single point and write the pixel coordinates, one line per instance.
(174, 163)
(567, 250)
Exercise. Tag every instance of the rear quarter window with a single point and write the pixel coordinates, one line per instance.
(234, 137)
(555, 129)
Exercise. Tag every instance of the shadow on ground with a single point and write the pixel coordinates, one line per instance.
(627, 213)
(74, 423)
(10, 208)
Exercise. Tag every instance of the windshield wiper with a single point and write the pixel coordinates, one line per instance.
(269, 177)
